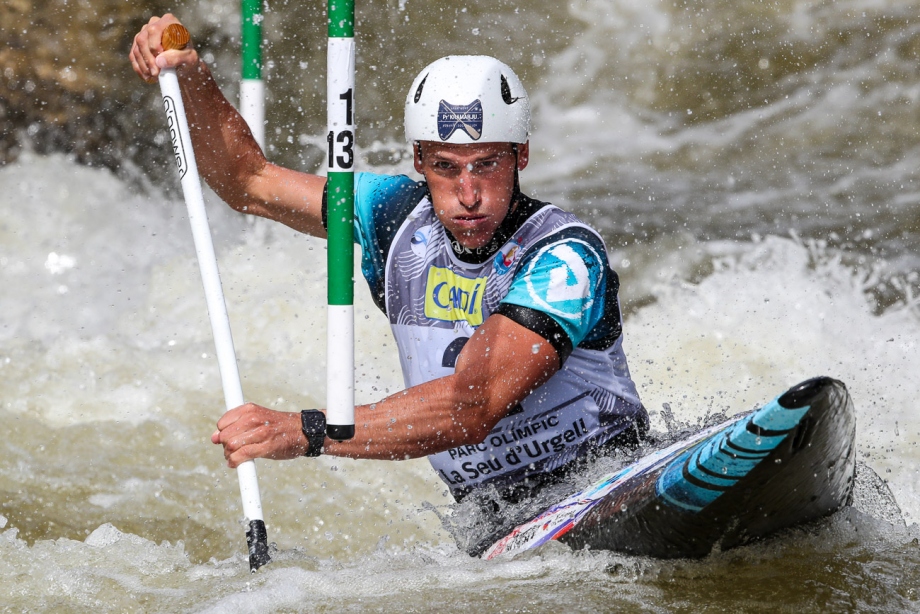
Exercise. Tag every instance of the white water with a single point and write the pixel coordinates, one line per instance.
(695, 136)
(108, 380)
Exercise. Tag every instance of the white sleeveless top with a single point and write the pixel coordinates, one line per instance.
(551, 275)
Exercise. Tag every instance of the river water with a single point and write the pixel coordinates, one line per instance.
(752, 166)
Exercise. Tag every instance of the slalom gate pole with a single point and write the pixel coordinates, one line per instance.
(176, 37)
(252, 88)
(340, 93)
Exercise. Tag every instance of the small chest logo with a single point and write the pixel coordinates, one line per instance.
(451, 297)
(506, 257)
(419, 241)
(466, 117)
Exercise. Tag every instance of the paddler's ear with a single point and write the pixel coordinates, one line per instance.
(523, 155)
(417, 156)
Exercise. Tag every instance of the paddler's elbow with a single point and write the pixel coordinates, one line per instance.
(476, 421)
(245, 205)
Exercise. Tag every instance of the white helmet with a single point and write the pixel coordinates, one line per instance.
(467, 99)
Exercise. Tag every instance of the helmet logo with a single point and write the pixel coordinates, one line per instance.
(465, 117)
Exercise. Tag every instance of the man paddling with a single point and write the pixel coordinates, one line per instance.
(504, 308)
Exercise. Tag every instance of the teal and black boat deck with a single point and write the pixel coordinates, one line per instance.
(789, 462)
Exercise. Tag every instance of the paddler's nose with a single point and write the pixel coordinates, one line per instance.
(468, 188)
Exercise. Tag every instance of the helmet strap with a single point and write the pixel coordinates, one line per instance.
(516, 190)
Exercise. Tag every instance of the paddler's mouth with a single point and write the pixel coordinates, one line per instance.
(472, 230)
(470, 221)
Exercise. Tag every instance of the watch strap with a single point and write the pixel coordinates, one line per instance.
(313, 423)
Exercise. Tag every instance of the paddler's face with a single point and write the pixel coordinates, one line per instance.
(471, 185)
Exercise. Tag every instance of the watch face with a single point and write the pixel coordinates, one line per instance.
(313, 421)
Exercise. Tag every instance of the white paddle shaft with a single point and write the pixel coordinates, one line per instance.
(210, 277)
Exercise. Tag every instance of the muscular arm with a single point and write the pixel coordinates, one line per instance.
(228, 157)
(501, 364)
(497, 368)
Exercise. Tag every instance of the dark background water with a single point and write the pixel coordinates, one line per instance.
(717, 118)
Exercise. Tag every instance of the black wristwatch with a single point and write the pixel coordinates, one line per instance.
(313, 423)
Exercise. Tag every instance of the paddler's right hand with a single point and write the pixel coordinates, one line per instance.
(147, 55)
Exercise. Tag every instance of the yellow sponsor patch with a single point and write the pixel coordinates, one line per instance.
(452, 297)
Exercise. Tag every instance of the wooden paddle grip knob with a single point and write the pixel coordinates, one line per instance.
(175, 36)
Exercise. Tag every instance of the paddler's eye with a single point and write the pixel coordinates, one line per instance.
(444, 166)
(484, 167)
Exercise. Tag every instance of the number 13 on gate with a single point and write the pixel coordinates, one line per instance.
(340, 351)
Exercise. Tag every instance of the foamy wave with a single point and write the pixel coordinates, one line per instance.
(774, 313)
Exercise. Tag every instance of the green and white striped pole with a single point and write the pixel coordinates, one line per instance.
(340, 351)
(252, 89)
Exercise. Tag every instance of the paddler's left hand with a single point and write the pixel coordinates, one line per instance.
(147, 55)
(251, 431)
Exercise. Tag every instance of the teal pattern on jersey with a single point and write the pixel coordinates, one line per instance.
(381, 204)
(564, 278)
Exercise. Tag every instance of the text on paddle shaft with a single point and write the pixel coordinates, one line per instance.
(172, 123)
